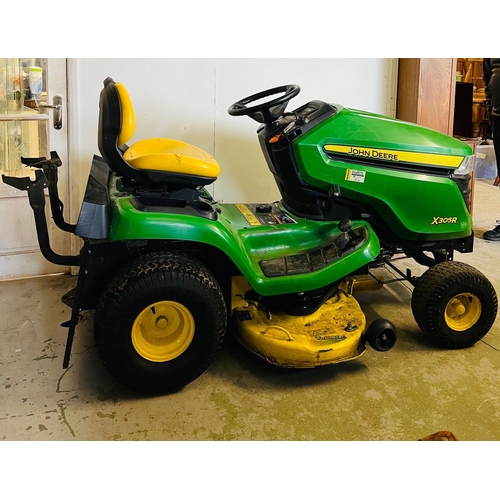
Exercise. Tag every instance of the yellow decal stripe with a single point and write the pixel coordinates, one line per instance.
(247, 213)
(397, 156)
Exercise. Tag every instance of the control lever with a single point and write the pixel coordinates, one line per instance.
(343, 241)
(348, 236)
(345, 225)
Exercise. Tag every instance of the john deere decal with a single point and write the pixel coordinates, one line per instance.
(396, 156)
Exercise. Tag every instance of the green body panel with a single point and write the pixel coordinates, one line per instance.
(244, 244)
(418, 206)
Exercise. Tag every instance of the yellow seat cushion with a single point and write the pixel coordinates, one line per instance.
(169, 155)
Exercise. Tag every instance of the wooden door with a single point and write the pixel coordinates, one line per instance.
(426, 92)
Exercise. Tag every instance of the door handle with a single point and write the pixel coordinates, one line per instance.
(57, 107)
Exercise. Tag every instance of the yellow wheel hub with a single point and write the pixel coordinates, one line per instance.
(462, 312)
(163, 331)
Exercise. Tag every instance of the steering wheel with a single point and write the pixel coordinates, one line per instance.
(269, 111)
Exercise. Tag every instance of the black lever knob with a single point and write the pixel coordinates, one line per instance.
(264, 209)
(345, 225)
(343, 241)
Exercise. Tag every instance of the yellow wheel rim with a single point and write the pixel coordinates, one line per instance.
(462, 312)
(163, 331)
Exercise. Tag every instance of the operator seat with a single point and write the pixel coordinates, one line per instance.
(150, 161)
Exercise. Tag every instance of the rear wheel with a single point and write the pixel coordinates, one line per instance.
(455, 304)
(160, 322)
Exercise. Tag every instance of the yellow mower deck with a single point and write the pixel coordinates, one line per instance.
(334, 333)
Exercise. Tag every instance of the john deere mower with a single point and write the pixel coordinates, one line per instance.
(168, 269)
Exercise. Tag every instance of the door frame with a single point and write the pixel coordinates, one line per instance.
(24, 259)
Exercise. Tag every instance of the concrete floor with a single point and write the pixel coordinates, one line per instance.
(407, 393)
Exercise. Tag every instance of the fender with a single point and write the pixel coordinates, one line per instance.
(253, 249)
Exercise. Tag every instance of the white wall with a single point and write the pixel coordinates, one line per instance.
(187, 99)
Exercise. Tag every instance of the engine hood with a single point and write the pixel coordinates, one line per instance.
(368, 137)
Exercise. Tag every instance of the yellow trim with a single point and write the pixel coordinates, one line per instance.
(169, 155)
(128, 117)
(247, 213)
(397, 156)
(462, 312)
(163, 331)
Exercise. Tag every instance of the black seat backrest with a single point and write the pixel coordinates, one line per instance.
(110, 123)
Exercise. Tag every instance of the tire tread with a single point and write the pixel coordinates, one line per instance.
(432, 288)
(151, 271)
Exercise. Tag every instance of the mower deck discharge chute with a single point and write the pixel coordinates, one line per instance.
(169, 270)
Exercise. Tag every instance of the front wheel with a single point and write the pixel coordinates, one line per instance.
(455, 304)
(160, 322)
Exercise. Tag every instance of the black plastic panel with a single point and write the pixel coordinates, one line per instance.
(94, 218)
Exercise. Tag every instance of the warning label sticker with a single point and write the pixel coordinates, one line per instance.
(355, 175)
(264, 214)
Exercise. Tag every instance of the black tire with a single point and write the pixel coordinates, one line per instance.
(455, 304)
(161, 290)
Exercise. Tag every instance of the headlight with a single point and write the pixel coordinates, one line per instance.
(462, 176)
(465, 167)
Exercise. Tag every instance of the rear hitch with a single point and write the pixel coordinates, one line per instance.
(36, 198)
(49, 168)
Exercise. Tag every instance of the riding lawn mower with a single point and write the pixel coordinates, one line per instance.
(168, 269)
